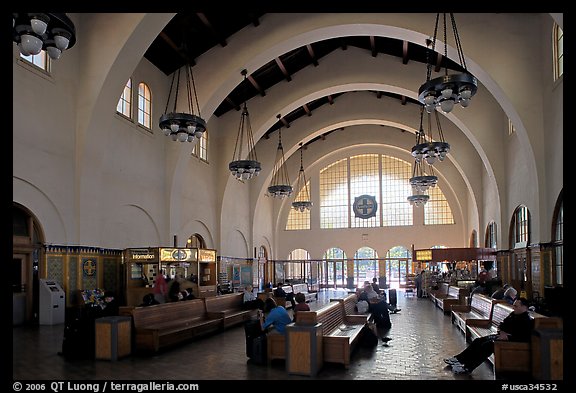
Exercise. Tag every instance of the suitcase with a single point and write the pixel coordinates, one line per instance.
(256, 349)
(393, 297)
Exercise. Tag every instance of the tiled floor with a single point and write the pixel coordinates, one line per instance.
(422, 337)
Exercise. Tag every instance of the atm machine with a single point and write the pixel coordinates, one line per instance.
(52, 303)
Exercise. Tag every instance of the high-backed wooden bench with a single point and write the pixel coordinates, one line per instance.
(479, 312)
(349, 304)
(340, 332)
(509, 356)
(163, 325)
(310, 296)
(229, 308)
(454, 296)
(442, 291)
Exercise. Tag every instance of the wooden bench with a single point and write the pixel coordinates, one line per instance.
(229, 308)
(441, 291)
(454, 296)
(509, 356)
(310, 296)
(479, 312)
(349, 304)
(340, 332)
(167, 324)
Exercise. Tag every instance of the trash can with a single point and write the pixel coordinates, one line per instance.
(113, 337)
(304, 349)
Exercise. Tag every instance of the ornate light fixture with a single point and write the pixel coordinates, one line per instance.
(36, 31)
(280, 185)
(182, 126)
(302, 201)
(244, 169)
(426, 148)
(421, 179)
(418, 200)
(447, 90)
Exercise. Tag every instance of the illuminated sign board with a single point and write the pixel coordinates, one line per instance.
(423, 255)
(178, 254)
(207, 255)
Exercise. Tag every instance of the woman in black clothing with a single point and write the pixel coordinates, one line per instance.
(515, 327)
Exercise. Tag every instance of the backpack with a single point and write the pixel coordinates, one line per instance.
(362, 307)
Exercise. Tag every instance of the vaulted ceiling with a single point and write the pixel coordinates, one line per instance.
(189, 35)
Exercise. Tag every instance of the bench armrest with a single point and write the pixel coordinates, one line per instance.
(461, 308)
(485, 323)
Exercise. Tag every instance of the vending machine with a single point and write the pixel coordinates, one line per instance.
(52, 303)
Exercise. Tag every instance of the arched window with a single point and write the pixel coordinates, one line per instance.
(558, 240)
(520, 227)
(296, 219)
(144, 105)
(297, 270)
(437, 210)
(124, 106)
(383, 177)
(195, 241)
(40, 60)
(335, 263)
(490, 237)
(200, 149)
(365, 265)
(558, 49)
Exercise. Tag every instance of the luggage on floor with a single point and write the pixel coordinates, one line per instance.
(255, 341)
(256, 349)
(393, 297)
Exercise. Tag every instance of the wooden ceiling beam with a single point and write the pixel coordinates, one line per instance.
(232, 103)
(330, 99)
(256, 85)
(178, 50)
(283, 69)
(207, 23)
(312, 55)
(405, 57)
(285, 122)
(403, 100)
(307, 110)
(378, 94)
(373, 46)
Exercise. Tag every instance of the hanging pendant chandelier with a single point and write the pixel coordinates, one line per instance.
(183, 126)
(302, 201)
(421, 179)
(447, 90)
(280, 185)
(426, 147)
(34, 32)
(418, 200)
(244, 169)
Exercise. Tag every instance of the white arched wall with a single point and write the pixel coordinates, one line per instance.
(296, 39)
(106, 69)
(127, 226)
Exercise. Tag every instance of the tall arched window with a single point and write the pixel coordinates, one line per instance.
(297, 270)
(521, 227)
(296, 219)
(437, 210)
(200, 149)
(384, 177)
(490, 237)
(558, 48)
(124, 106)
(558, 240)
(144, 105)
